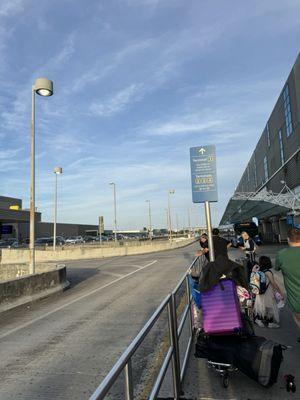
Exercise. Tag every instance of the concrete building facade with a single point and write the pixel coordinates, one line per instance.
(273, 169)
(14, 222)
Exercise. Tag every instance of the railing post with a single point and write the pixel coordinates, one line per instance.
(174, 343)
(128, 381)
(188, 293)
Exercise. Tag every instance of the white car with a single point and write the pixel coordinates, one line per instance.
(74, 240)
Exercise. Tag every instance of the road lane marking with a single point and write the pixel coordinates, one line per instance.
(26, 324)
(110, 273)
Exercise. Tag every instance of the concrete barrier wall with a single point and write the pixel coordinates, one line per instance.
(28, 288)
(17, 256)
(14, 271)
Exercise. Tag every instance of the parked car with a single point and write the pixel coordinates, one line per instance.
(74, 240)
(257, 239)
(46, 241)
(89, 239)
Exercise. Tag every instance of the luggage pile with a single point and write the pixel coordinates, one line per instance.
(227, 338)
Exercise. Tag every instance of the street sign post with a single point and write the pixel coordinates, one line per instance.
(204, 183)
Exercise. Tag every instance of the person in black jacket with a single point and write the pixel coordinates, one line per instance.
(248, 246)
(220, 244)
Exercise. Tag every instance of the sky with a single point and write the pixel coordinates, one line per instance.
(136, 84)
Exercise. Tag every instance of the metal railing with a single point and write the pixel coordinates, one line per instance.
(172, 354)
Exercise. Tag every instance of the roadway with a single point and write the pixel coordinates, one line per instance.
(62, 347)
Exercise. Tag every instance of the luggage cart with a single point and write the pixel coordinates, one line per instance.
(223, 369)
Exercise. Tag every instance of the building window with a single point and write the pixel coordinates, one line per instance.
(281, 146)
(287, 111)
(266, 168)
(268, 135)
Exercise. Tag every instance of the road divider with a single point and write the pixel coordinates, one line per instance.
(17, 256)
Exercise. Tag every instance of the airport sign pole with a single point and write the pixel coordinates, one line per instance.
(204, 184)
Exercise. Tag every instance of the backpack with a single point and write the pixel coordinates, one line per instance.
(258, 282)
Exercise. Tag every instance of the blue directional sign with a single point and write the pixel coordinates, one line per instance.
(204, 173)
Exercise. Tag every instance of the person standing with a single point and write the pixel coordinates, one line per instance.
(265, 305)
(203, 241)
(248, 246)
(288, 261)
(220, 244)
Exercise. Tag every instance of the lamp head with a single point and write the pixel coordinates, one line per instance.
(58, 170)
(43, 87)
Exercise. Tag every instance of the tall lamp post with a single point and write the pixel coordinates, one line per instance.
(115, 209)
(171, 191)
(189, 221)
(150, 219)
(57, 171)
(43, 87)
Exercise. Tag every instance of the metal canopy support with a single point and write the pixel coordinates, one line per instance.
(245, 205)
(285, 198)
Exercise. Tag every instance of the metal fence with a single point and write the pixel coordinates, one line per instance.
(176, 324)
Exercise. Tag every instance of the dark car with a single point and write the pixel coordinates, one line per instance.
(257, 239)
(10, 243)
(44, 241)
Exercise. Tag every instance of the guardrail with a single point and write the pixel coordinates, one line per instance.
(175, 329)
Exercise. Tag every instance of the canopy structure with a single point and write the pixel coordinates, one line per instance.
(243, 207)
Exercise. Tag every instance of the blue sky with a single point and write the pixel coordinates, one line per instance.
(137, 83)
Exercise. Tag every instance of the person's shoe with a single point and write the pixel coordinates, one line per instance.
(259, 323)
(273, 325)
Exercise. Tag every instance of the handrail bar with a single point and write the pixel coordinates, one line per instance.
(161, 375)
(183, 319)
(174, 291)
(185, 360)
(122, 361)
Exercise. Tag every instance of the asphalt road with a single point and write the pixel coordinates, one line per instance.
(63, 346)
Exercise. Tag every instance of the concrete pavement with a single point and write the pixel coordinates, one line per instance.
(202, 383)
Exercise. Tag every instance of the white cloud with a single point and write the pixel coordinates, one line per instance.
(11, 7)
(183, 126)
(118, 102)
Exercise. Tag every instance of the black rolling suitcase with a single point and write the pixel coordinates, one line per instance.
(259, 359)
(255, 356)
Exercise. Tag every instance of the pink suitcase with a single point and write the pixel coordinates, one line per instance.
(221, 309)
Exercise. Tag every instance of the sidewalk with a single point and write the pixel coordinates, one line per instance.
(202, 383)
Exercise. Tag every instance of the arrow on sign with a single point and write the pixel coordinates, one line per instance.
(202, 150)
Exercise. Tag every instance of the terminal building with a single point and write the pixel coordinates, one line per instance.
(269, 188)
(14, 222)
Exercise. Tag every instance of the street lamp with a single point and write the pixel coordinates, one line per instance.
(171, 191)
(115, 209)
(43, 87)
(57, 171)
(150, 219)
(189, 221)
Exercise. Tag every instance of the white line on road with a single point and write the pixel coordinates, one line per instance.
(110, 273)
(18, 328)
